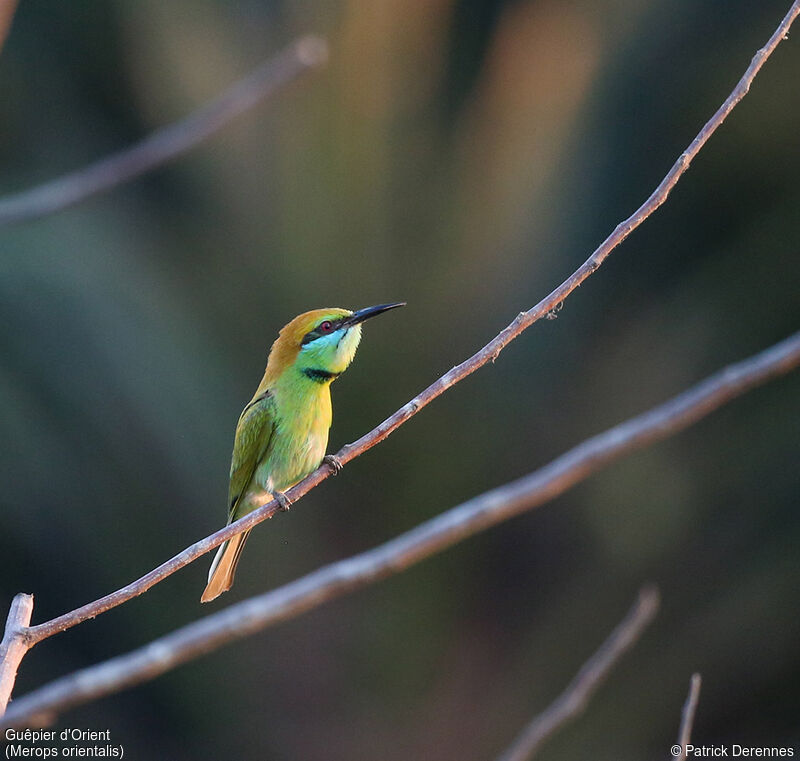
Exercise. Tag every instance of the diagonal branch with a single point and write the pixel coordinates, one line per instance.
(167, 143)
(489, 352)
(687, 717)
(573, 701)
(433, 536)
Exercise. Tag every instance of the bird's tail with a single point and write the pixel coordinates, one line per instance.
(220, 575)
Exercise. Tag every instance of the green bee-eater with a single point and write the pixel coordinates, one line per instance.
(283, 432)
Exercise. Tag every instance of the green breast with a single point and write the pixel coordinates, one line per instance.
(300, 437)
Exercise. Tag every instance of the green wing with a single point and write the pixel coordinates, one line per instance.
(253, 435)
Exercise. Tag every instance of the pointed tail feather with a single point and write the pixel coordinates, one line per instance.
(220, 576)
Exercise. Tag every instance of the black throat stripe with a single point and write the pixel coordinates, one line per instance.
(319, 376)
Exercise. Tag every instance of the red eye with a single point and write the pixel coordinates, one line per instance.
(325, 327)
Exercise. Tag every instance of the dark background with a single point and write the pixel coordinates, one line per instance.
(465, 156)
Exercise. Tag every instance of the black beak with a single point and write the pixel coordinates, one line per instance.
(367, 312)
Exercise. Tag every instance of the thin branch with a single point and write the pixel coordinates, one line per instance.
(7, 10)
(14, 644)
(489, 352)
(167, 143)
(573, 701)
(429, 538)
(687, 716)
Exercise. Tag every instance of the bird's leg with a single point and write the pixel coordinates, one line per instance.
(282, 500)
(334, 462)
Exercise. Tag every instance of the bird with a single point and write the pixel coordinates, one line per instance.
(282, 433)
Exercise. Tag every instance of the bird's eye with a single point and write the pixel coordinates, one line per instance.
(325, 326)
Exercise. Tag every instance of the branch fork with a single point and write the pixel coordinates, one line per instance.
(16, 642)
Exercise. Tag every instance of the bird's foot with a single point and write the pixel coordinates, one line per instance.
(282, 500)
(334, 462)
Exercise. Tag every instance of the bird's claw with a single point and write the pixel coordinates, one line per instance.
(282, 500)
(334, 462)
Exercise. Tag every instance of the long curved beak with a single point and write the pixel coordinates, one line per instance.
(367, 312)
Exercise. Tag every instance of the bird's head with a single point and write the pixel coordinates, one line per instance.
(322, 342)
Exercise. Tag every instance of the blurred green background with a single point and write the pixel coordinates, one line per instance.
(465, 156)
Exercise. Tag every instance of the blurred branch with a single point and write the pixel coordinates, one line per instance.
(167, 143)
(687, 715)
(573, 701)
(14, 645)
(7, 10)
(433, 536)
(489, 352)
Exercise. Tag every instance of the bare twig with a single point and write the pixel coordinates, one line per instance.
(167, 143)
(489, 352)
(14, 645)
(573, 701)
(7, 9)
(687, 716)
(428, 538)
